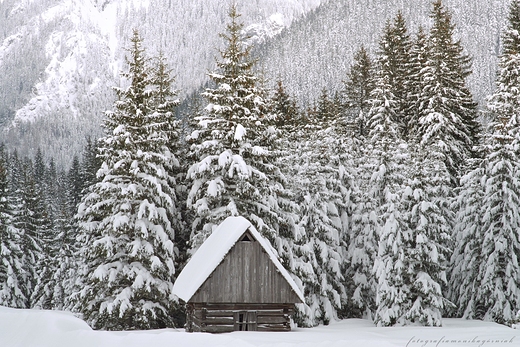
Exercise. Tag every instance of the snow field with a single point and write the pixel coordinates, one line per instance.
(31, 328)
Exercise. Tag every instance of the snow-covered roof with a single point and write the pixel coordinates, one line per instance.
(212, 252)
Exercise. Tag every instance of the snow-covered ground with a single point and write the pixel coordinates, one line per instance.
(34, 328)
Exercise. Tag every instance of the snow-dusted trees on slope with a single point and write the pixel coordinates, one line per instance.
(127, 219)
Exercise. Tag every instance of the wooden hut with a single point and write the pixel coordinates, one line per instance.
(235, 282)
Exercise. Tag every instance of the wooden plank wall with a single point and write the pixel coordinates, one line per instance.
(246, 275)
(223, 318)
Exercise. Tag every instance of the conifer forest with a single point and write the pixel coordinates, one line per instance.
(393, 196)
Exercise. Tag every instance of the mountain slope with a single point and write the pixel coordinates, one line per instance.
(316, 52)
(60, 58)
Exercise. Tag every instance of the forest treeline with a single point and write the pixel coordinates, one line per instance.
(388, 199)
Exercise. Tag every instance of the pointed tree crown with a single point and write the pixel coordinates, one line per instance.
(512, 33)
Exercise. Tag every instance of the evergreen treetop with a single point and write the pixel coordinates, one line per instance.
(234, 171)
(447, 110)
(357, 89)
(511, 36)
(505, 101)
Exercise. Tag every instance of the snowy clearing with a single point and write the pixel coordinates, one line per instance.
(26, 328)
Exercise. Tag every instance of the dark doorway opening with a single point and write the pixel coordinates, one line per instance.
(245, 321)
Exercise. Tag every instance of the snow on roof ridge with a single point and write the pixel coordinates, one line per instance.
(211, 253)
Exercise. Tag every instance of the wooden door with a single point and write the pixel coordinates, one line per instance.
(245, 320)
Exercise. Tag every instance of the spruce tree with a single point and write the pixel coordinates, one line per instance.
(326, 190)
(90, 163)
(67, 274)
(321, 224)
(486, 274)
(367, 220)
(447, 107)
(486, 256)
(65, 247)
(164, 104)
(427, 211)
(326, 110)
(505, 101)
(75, 185)
(48, 200)
(27, 218)
(12, 272)
(362, 252)
(416, 83)
(385, 172)
(126, 219)
(357, 89)
(288, 121)
(234, 171)
(466, 257)
(399, 52)
(284, 109)
(393, 57)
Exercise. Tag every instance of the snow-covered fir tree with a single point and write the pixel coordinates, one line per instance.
(466, 258)
(295, 241)
(90, 164)
(395, 53)
(66, 273)
(385, 171)
(427, 211)
(427, 204)
(326, 112)
(417, 82)
(499, 290)
(290, 123)
(234, 171)
(12, 273)
(362, 251)
(325, 186)
(165, 102)
(27, 218)
(284, 109)
(447, 107)
(127, 218)
(64, 244)
(357, 89)
(505, 101)
(485, 278)
(48, 197)
(486, 274)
